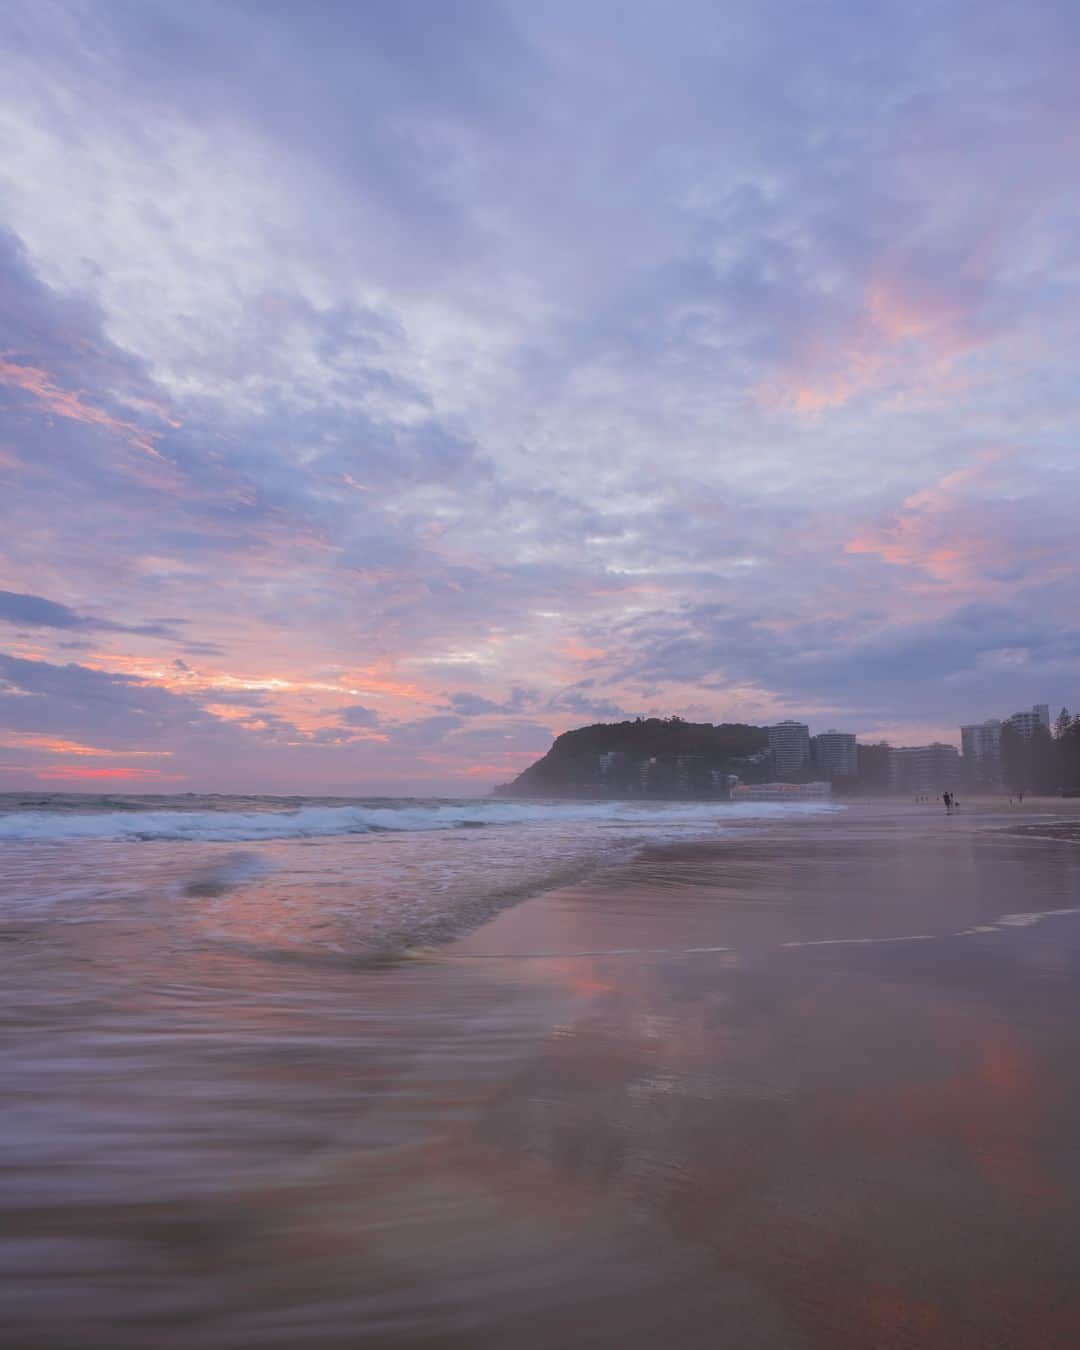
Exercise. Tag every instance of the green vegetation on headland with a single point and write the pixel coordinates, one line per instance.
(652, 757)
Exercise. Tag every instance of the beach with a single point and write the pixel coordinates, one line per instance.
(803, 1081)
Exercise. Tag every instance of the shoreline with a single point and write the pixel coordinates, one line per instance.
(870, 1129)
(516, 926)
(808, 1082)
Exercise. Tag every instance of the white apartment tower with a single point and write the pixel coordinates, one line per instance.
(981, 745)
(835, 755)
(790, 746)
(1027, 723)
(923, 768)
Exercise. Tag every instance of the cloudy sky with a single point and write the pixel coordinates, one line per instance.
(387, 385)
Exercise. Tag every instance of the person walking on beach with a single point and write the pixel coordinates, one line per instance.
(946, 797)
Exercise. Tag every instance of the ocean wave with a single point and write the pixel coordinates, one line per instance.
(312, 822)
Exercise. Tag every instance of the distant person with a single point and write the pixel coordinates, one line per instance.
(946, 797)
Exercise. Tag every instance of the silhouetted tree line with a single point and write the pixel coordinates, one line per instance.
(647, 736)
(1068, 745)
(1042, 764)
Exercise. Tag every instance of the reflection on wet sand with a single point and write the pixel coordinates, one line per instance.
(507, 1143)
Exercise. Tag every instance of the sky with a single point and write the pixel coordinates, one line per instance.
(388, 386)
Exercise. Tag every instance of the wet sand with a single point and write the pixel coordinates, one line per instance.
(814, 1086)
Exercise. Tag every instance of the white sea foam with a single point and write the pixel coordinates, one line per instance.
(327, 821)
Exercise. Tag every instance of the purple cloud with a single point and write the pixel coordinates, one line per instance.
(398, 405)
(34, 611)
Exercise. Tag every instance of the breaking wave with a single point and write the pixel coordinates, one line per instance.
(323, 821)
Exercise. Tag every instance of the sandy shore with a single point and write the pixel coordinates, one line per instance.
(855, 1126)
(801, 1087)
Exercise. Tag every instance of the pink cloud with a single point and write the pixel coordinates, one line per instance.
(54, 745)
(77, 774)
(931, 532)
(906, 335)
(64, 403)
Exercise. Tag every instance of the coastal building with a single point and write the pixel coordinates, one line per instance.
(835, 755)
(1028, 723)
(651, 775)
(981, 740)
(923, 768)
(790, 746)
(873, 761)
(721, 783)
(980, 743)
(691, 776)
(618, 772)
(784, 792)
(752, 766)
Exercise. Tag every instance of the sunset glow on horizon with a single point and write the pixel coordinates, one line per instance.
(381, 397)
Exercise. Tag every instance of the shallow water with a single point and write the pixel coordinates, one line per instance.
(808, 1084)
(321, 878)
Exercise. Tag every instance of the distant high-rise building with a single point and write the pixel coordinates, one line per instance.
(691, 776)
(835, 755)
(1027, 723)
(981, 745)
(923, 768)
(873, 761)
(790, 746)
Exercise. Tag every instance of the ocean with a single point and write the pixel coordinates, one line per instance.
(225, 1015)
(326, 877)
